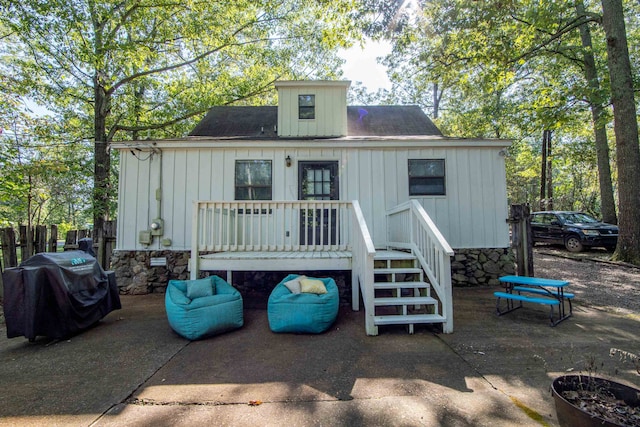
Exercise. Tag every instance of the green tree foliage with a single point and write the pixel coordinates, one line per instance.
(513, 69)
(145, 68)
(44, 180)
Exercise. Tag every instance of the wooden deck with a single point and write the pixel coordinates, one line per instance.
(265, 236)
(276, 261)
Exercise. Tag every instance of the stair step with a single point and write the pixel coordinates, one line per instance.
(400, 319)
(397, 270)
(393, 256)
(403, 285)
(404, 301)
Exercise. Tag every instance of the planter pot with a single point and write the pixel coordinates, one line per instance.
(570, 415)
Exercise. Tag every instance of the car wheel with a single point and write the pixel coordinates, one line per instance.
(610, 248)
(573, 244)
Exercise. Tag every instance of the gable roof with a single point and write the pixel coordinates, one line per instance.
(261, 121)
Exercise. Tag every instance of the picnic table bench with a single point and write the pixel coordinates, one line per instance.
(519, 289)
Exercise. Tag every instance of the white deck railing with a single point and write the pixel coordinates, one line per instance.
(271, 226)
(410, 227)
(274, 226)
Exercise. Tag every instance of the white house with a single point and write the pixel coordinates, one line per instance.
(314, 184)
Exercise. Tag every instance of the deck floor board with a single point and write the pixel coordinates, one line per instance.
(276, 260)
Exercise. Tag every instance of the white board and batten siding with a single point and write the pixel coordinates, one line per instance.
(472, 214)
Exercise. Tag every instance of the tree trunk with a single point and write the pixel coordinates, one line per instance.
(546, 175)
(607, 201)
(102, 160)
(138, 96)
(549, 173)
(543, 173)
(29, 234)
(436, 101)
(626, 131)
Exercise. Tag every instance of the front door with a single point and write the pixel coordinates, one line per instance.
(318, 181)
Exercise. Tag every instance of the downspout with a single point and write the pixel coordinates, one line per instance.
(157, 224)
(159, 189)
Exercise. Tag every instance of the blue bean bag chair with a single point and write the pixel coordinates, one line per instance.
(302, 304)
(203, 307)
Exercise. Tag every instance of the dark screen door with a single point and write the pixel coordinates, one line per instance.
(318, 181)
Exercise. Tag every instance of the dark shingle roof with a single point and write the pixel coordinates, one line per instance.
(244, 121)
(260, 122)
(389, 120)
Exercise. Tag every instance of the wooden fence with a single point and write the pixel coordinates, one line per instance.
(41, 238)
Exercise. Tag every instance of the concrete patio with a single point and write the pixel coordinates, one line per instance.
(133, 370)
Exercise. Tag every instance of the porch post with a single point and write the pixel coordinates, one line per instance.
(355, 292)
(195, 232)
(447, 304)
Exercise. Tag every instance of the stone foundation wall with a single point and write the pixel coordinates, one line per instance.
(472, 267)
(135, 275)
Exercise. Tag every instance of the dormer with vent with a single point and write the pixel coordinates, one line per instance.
(312, 108)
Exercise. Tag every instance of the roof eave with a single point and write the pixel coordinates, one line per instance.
(340, 142)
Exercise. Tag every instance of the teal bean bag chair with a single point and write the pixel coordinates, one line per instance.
(203, 307)
(302, 304)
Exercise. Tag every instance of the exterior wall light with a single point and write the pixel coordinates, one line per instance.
(288, 161)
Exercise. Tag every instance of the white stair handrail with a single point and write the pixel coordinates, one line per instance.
(363, 252)
(410, 227)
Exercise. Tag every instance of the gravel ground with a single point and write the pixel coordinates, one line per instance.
(595, 281)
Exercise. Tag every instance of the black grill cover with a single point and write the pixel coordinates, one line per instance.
(57, 295)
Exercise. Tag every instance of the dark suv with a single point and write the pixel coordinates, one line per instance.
(574, 230)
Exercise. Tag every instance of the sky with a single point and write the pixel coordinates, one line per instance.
(361, 65)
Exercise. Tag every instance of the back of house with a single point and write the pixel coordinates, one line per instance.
(311, 147)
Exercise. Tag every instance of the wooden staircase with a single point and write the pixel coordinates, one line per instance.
(402, 296)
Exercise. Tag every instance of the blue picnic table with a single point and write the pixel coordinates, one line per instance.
(519, 289)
